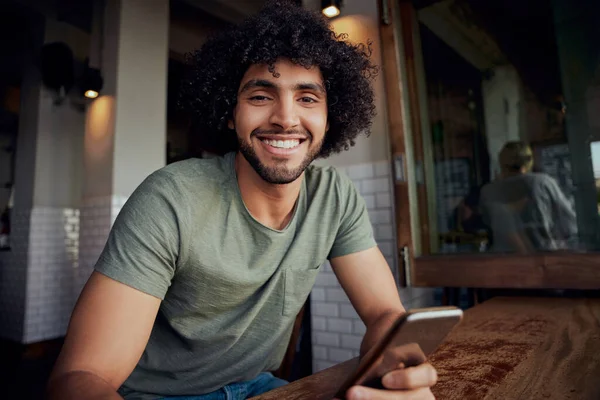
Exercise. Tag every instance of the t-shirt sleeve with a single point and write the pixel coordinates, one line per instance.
(355, 232)
(143, 245)
(564, 218)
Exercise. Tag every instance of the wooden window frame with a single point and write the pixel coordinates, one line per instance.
(544, 270)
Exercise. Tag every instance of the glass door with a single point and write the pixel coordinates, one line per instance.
(501, 108)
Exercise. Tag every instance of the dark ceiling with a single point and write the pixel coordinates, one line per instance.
(524, 31)
(78, 13)
(15, 37)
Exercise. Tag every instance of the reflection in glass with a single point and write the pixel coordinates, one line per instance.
(513, 96)
(525, 210)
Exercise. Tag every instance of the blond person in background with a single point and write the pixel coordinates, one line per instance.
(526, 211)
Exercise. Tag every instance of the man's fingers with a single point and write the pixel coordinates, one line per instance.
(421, 376)
(408, 383)
(365, 393)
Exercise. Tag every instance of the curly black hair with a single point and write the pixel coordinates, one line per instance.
(280, 30)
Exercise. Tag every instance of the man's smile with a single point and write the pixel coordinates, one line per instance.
(281, 146)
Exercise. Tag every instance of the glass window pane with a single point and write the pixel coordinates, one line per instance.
(513, 95)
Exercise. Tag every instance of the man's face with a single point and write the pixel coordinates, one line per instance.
(280, 122)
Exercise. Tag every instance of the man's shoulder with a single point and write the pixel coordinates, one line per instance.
(192, 176)
(194, 171)
(326, 177)
(327, 182)
(197, 168)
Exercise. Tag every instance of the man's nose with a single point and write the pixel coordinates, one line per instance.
(285, 114)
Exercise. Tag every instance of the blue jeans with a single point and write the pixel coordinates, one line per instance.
(240, 390)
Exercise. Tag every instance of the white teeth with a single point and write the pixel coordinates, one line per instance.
(283, 144)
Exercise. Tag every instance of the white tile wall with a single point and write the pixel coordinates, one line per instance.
(97, 216)
(13, 278)
(51, 272)
(337, 328)
(53, 251)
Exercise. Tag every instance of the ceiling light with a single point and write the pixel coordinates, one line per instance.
(331, 8)
(91, 82)
(91, 94)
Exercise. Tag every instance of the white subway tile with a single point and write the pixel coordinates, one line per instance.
(384, 232)
(327, 339)
(324, 309)
(380, 216)
(335, 295)
(382, 168)
(326, 279)
(319, 323)
(386, 248)
(339, 325)
(377, 185)
(351, 342)
(391, 262)
(339, 355)
(361, 171)
(359, 328)
(319, 353)
(383, 200)
(317, 294)
(348, 311)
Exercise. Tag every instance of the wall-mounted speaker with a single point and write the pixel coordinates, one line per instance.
(57, 67)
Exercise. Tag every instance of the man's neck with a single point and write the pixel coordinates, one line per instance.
(272, 205)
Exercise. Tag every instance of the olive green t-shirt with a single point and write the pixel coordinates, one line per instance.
(230, 286)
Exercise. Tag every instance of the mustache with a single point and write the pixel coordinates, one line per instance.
(281, 132)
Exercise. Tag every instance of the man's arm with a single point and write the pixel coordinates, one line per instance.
(367, 280)
(108, 332)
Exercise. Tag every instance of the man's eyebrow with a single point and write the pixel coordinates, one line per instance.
(310, 86)
(257, 83)
(263, 83)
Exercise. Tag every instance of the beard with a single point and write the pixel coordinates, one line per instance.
(278, 174)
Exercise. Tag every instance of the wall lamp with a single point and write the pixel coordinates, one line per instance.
(92, 82)
(331, 8)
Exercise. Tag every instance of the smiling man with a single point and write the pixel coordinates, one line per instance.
(280, 145)
(210, 260)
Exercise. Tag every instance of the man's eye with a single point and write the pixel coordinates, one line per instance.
(259, 98)
(308, 100)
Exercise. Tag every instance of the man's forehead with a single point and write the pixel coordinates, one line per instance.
(283, 73)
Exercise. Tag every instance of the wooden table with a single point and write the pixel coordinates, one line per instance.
(505, 348)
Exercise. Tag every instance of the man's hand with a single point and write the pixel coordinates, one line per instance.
(412, 383)
(401, 382)
(374, 295)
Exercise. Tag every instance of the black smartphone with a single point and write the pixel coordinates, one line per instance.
(410, 340)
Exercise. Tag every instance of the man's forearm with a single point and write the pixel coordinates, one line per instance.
(377, 328)
(81, 385)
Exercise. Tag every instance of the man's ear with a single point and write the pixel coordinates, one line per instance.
(230, 124)
(327, 127)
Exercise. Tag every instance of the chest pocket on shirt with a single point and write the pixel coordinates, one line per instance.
(297, 286)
